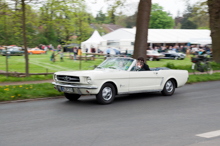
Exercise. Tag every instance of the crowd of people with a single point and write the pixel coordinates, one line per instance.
(186, 49)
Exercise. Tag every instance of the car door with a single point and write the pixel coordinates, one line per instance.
(141, 81)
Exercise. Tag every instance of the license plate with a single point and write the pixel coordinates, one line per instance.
(193, 65)
(66, 89)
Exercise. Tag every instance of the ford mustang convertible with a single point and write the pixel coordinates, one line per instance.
(117, 76)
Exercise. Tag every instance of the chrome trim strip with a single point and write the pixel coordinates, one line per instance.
(74, 86)
(142, 91)
(162, 81)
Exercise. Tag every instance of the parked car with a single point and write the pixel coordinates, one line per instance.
(36, 51)
(174, 55)
(117, 76)
(13, 51)
(154, 55)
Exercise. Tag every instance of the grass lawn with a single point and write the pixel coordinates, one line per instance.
(47, 89)
(39, 63)
(32, 78)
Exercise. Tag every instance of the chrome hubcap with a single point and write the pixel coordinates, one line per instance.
(107, 93)
(169, 86)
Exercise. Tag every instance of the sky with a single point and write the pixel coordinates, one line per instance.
(172, 6)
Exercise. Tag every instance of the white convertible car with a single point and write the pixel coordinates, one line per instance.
(117, 76)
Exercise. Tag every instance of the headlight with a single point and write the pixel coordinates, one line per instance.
(55, 77)
(89, 80)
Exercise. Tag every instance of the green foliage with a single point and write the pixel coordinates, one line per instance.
(55, 20)
(215, 66)
(27, 91)
(187, 24)
(159, 18)
(195, 16)
(203, 78)
(31, 78)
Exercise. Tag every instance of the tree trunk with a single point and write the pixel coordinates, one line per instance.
(142, 24)
(24, 39)
(214, 12)
(6, 38)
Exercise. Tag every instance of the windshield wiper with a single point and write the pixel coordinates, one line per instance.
(99, 67)
(112, 67)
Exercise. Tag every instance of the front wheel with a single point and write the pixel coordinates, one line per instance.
(169, 88)
(107, 94)
(72, 97)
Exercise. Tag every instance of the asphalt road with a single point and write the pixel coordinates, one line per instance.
(132, 120)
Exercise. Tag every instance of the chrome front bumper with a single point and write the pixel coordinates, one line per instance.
(75, 86)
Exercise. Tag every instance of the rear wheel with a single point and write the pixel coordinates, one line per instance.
(169, 88)
(107, 94)
(72, 97)
(30, 53)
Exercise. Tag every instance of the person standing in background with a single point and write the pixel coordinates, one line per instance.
(79, 52)
(74, 53)
(45, 49)
(61, 56)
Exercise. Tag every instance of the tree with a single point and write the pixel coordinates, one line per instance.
(113, 5)
(214, 12)
(200, 15)
(100, 17)
(143, 19)
(24, 37)
(160, 19)
(186, 23)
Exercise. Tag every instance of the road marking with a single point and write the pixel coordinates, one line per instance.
(209, 134)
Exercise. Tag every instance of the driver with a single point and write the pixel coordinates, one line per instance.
(140, 66)
(145, 66)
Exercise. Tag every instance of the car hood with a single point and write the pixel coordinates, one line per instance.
(88, 72)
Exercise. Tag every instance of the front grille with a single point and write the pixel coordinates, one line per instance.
(68, 78)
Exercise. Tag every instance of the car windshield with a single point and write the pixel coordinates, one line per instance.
(116, 63)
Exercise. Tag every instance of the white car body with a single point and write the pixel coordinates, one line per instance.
(124, 81)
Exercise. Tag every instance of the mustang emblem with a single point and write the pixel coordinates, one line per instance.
(66, 78)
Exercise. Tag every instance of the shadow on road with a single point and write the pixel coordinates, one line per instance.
(91, 100)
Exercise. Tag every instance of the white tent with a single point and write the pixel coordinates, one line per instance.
(160, 35)
(124, 38)
(92, 42)
(202, 41)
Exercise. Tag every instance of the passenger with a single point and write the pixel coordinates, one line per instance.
(140, 66)
(145, 66)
